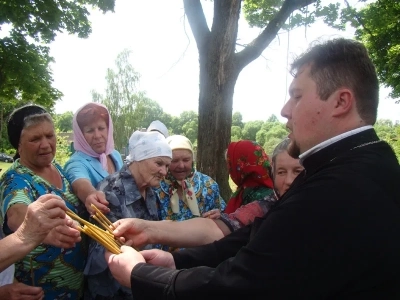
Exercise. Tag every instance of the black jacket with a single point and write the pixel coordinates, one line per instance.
(334, 235)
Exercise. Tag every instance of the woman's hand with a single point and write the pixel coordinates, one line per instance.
(98, 199)
(212, 214)
(20, 291)
(134, 231)
(64, 236)
(43, 216)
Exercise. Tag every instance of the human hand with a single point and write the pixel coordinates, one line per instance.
(98, 199)
(212, 214)
(134, 231)
(42, 216)
(64, 236)
(20, 291)
(121, 265)
(159, 258)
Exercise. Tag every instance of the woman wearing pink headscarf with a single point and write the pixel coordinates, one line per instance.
(95, 157)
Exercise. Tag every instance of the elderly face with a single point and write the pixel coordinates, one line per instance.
(37, 145)
(286, 169)
(96, 135)
(181, 164)
(153, 170)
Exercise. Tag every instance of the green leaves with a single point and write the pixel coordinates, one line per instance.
(25, 74)
(379, 30)
(24, 71)
(42, 20)
(259, 13)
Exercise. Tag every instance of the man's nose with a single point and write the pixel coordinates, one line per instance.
(286, 110)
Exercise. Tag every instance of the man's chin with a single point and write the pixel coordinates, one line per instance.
(293, 150)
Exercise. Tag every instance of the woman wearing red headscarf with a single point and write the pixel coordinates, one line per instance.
(249, 168)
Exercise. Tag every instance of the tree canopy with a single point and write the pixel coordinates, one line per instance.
(27, 27)
(379, 29)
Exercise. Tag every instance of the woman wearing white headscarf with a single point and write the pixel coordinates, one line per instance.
(130, 195)
(158, 126)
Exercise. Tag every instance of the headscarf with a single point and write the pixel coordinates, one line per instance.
(80, 143)
(158, 126)
(189, 197)
(248, 167)
(16, 123)
(144, 145)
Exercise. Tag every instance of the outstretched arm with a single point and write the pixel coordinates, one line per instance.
(89, 195)
(189, 233)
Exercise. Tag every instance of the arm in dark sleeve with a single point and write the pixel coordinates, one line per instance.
(301, 250)
(257, 267)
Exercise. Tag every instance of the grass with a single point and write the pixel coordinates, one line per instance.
(4, 166)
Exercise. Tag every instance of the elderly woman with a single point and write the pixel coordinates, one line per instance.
(200, 231)
(57, 270)
(186, 193)
(95, 157)
(158, 126)
(249, 169)
(130, 195)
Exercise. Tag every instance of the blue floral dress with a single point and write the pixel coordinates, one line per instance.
(206, 191)
(58, 271)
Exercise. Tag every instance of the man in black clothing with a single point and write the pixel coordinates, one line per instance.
(333, 235)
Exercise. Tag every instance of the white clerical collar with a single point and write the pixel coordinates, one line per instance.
(331, 141)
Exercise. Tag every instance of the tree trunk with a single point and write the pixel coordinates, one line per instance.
(219, 69)
(217, 82)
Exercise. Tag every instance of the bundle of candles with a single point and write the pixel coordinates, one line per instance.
(104, 236)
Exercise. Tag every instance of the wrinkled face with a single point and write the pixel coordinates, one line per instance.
(286, 169)
(153, 170)
(181, 164)
(37, 146)
(96, 135)
(306, 113)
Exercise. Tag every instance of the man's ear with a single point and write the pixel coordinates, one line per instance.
(344, 102)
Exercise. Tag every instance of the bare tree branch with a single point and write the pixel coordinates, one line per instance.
(197, 22)
(258, 45)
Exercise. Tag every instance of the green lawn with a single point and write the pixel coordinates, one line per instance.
(4, 166)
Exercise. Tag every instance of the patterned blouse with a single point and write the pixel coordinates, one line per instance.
(207, 195)
(125, 201)
(246, 214)
(58, 271)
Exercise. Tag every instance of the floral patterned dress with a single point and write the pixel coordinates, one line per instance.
(206, 193)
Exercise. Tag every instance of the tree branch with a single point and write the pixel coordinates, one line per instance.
(258, 45)
(197, 22)
(359, 20)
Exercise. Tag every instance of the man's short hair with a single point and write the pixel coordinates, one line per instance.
(341, 63)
